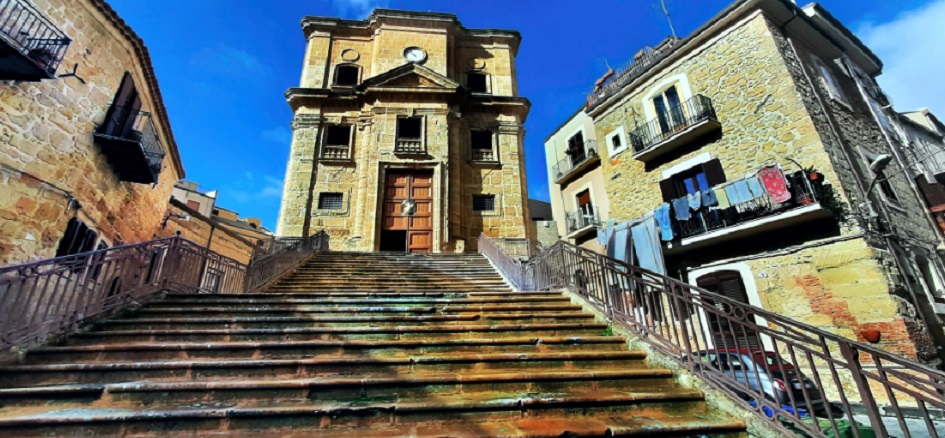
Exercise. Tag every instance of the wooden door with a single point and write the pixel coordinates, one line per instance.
(729, 328)
(416, 186)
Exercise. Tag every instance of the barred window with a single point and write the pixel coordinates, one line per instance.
(483, 202)
(330, 201)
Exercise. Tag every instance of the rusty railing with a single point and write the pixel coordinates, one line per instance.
(800, 378)
(53, 296)
(286, 253)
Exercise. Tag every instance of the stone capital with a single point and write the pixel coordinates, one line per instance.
(301, 121)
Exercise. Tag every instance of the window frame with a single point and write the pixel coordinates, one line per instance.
(829, 80)
(490, 196)
(323, 200)
(883, 183)
(487, 83)
(334, 78)
(621, 134)
(324, 142)
(423, 134)
(493, 145)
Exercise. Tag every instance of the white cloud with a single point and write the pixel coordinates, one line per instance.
(279, 134)
(249, 189)
(912, 50)
(229, 60)
(358, 9)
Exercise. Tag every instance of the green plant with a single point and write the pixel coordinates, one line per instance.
(831, 201)
(609, 331)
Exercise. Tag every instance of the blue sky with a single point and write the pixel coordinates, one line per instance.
(223, 66)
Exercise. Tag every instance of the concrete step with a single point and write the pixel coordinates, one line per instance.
(92, 372)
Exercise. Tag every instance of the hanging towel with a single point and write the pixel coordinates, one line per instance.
(695, 200)
(662, 219)
(709, 199)
(620, 242)
(646, 245)
(733, 197)
(610, 242)
(681, 209)
(601, 236)
(722, 196)
(744, 193)
(754, 186)
(774, 183)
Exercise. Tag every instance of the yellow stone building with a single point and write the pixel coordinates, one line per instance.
(765, 92)
(407, 135)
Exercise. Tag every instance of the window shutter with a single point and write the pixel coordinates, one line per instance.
(713, 172)
(668, 188)
(120, 116)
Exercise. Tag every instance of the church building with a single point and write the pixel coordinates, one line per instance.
(407, 135)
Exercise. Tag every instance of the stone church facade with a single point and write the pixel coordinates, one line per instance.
(407, 135)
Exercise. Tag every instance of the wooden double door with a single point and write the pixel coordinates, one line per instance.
(407, 223)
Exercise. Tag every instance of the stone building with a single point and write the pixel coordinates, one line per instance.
(195, 197)
(87, 156)
(575, 181)
(923, 138)
(407, 135)
(760, 145)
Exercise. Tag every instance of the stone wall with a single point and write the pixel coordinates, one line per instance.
(205, 232)
(47, 153)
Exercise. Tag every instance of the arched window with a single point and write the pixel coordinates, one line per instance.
(347, 75)
(729, 327)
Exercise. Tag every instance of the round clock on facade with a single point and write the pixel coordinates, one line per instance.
(415, 55)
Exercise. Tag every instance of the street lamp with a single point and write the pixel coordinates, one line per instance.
(877, 166)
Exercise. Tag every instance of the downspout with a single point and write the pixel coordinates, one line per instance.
(844, 149)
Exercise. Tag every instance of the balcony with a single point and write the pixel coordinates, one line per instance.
(410, 146)
(130, 142)
(673, 128)
(634, 68)
(711, 226)
(336, 152)
(484, 156)
(579, 159)
(31, 47)
(581, 222)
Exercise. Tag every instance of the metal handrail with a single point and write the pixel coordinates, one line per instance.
(32, 34)
(821, 372)
(588, 150)
(48, 297)
(675, 119)
(136, 126)
(633, 69)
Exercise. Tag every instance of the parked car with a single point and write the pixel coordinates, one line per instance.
(751, 373)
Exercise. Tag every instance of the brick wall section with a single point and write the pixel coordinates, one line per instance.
(207, 233)
(46, 131)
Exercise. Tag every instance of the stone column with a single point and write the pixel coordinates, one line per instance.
(296, 212)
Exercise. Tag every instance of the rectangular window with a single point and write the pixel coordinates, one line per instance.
(330, 201)
(121, 116)
(337, 144)
(698, 178)
(194, 205)
(482, 146)
(483, 202)
(885, 186)
(346, 75)
(576, 151)
(477, 82)
(409, 135)
(78, 238)
(616, 141)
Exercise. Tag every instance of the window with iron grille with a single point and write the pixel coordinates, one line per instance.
(483, 202)
(330, 201)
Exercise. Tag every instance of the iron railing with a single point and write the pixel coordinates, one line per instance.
(508, 263)
(797, 377)
(285, 254)
(585, 152)
(669, 123)
(585, 217)
(130, 124)
(32, 34)
(625, 75)
(54, 296)
(409, 146)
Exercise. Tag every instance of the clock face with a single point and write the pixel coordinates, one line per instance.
(415, 54)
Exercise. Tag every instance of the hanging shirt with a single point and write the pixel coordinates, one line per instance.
(663, 220)
(708, 198)
(681, 208)
(695, 200)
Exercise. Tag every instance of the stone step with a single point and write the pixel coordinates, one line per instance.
(145, 351)
(614, 413)
(335, 333)
(320, 295)
(137, 322)
(386, 387)
(237, 301)
(91, 372)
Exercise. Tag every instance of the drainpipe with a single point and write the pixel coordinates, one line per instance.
(844, 148)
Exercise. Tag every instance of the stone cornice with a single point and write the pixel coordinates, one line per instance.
(300, 121)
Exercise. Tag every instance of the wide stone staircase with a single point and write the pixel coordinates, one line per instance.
(350, 345)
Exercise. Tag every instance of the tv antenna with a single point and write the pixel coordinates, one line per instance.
(672, 30)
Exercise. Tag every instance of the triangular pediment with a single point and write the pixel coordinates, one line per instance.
(410, 76)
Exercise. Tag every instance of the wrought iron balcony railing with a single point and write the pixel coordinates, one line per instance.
(578, 159)
(674, 122)
(630, 71)
(581, 219)
(130, 141)
(409, 146)
(34, 46)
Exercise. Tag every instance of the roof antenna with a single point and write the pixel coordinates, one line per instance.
(670, 20)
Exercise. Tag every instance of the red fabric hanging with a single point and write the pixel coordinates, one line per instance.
(773, 180)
